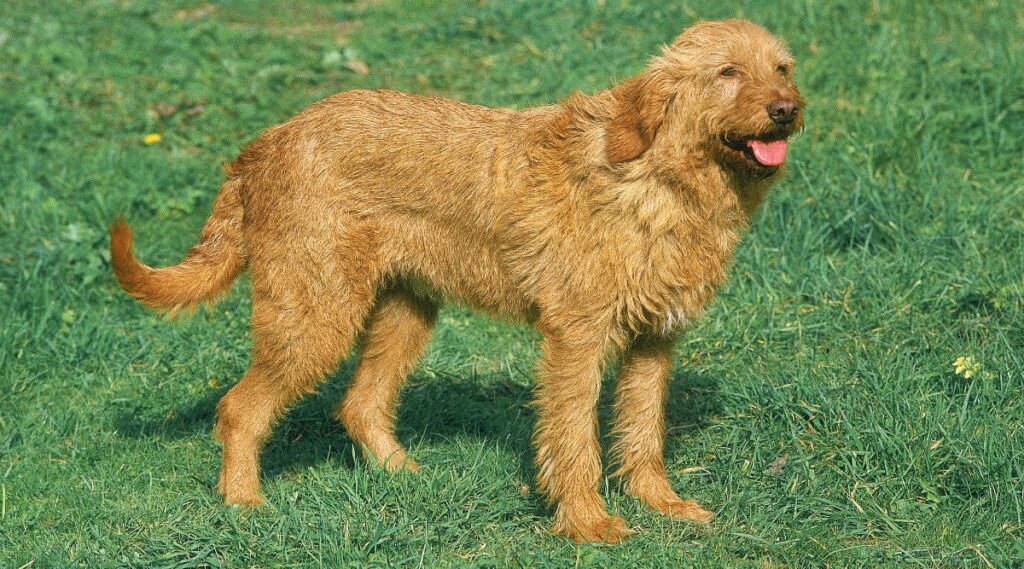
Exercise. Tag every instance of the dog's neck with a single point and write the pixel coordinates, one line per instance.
(693, 183)
(661, 192)
(688, 169)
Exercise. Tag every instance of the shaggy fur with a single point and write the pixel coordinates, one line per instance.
(607, 222)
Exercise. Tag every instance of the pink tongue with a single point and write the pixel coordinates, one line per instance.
(769, 153)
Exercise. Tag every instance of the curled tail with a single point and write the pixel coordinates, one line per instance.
(207, 270)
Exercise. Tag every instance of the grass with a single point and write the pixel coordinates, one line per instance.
(894, 248)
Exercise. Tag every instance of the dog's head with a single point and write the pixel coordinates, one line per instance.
(723, 88)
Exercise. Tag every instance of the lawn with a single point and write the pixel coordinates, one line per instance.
(817, 407)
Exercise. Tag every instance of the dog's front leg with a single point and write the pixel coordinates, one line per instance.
(640, 429)
(568, 451)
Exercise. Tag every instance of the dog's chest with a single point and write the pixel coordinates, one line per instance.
(676, 309)
(674, 276)
(675, 318)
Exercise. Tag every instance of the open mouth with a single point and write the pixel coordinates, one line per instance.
(769, 154)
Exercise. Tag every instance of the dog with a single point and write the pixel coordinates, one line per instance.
(607, 222)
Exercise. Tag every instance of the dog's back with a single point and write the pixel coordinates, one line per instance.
(387, 149)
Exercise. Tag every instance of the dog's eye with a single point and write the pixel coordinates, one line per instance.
(728, 71)
(783, 70)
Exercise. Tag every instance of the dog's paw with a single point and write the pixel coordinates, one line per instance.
(684, 510)
(243, 501)
(399, 461)
(654, 490)
(236, 494)
(608, 529)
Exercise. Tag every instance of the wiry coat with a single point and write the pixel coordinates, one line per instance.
(607, 222)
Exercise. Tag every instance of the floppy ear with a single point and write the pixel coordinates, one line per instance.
(637, 111)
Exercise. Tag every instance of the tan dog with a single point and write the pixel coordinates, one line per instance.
(607, 222)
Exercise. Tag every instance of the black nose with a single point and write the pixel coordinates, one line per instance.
(782, 111)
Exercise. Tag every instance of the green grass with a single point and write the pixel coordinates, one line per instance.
(895, 247)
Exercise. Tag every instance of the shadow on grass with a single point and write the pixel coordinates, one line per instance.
(435, 410)
(693, 401)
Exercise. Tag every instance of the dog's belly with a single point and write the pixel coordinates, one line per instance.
(452, 265)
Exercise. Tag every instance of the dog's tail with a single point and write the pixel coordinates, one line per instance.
(207, 270)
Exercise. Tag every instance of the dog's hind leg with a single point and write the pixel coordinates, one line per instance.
(640, 429)
(304, 320)
(398, 332)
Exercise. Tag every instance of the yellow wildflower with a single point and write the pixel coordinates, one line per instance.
(966, 367)
(152, 138)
